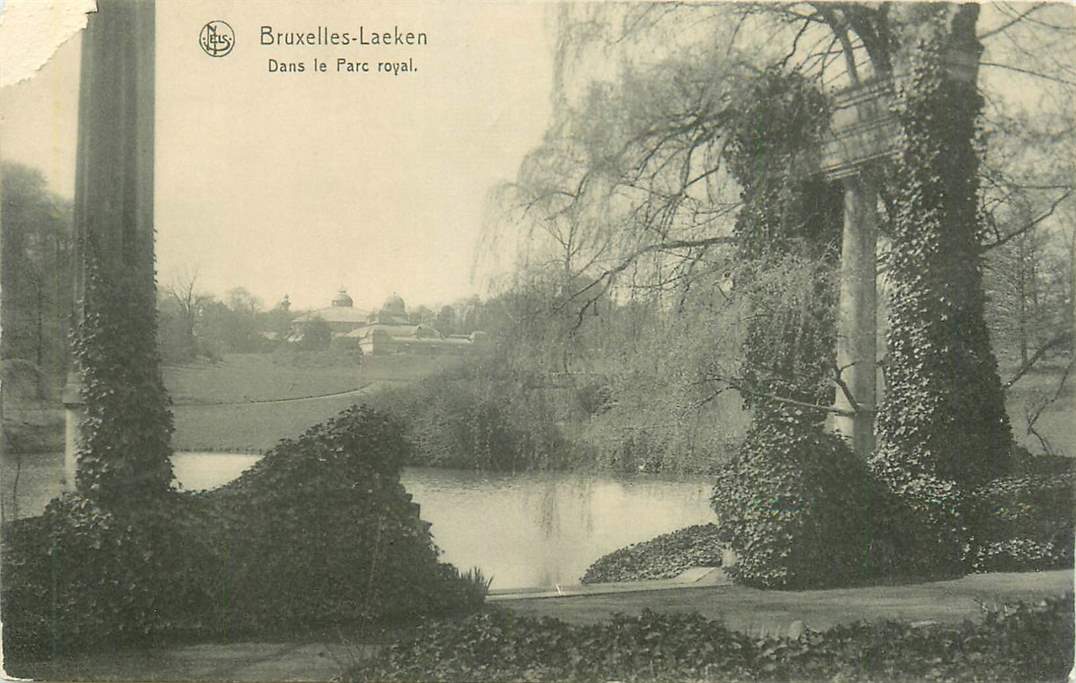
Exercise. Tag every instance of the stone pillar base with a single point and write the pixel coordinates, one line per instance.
(73, 410)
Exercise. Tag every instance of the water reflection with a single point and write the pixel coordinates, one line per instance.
(531, 529)
(542, 529)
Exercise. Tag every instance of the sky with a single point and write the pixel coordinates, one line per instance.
(302, 183)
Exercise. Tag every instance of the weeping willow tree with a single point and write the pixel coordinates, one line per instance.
(632, 194)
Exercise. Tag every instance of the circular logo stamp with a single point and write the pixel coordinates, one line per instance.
(217, 38)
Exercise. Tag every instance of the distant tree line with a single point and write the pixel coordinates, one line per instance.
(36, 283)
(196, 324)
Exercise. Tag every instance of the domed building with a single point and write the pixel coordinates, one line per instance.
(392, 312)
(342, 300)
(341, 315)
(391, 330)
(387, 330)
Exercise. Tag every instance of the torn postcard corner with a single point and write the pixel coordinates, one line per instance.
(32, 30)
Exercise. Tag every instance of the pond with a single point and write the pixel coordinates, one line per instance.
(523, 530)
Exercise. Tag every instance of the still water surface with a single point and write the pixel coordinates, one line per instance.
(531, 529)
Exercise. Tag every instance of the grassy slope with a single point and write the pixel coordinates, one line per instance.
(255, 377)
(213, 401)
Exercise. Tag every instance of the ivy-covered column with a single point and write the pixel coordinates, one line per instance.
(123, 444)
(942, 425)
(857, 326)
(793, 502)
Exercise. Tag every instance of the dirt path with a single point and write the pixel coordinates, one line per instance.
(748, 609)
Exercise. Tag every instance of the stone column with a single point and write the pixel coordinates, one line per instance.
(857, 328)
(113, 207)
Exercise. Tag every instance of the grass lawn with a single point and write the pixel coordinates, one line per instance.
(248, 402)
(252, 427)
(243, 377)
(253, 377)
(1056, 423)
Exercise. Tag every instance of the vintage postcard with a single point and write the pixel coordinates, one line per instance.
(537, 341)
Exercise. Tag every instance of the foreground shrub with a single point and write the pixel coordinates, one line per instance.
(662, 557)
(795, 504)
(82, 576)
(1021, 523)
(320, 531)
(1021, 642)
(921, 521)
(499, 646)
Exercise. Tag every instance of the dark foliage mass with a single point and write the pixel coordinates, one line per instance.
(319, 532)
(942, 425)
(790, 342)
(1020, 642)
(1025, 521)
(124, 435)
(794, 502)
(662, 557)
(481, 415)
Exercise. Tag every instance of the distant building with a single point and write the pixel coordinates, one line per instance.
(390, 330)
(342, 316)
(387, 330)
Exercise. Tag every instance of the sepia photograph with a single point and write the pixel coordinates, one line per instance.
(537, 340)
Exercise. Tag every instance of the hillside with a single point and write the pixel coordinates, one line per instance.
(248, 402)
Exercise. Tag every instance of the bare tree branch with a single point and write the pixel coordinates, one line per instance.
(1053, 343)
(1029, 72)
(1015, 20)
(1033, 416)
(1030, 224)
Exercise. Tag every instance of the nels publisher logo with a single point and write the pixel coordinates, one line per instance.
(217, 38)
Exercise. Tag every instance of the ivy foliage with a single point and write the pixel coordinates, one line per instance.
(797, 505)
(944, 413)
(794, 502)
(942, 425)
(662, 557)
(319, 532)
(124, 448)
(83, 575)
(1021, 523)
(1028, 642)
(789, 222)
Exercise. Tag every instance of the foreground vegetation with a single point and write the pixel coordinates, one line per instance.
(320, 531)
(1022, 522)
(1026, 642)
(662, 557)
